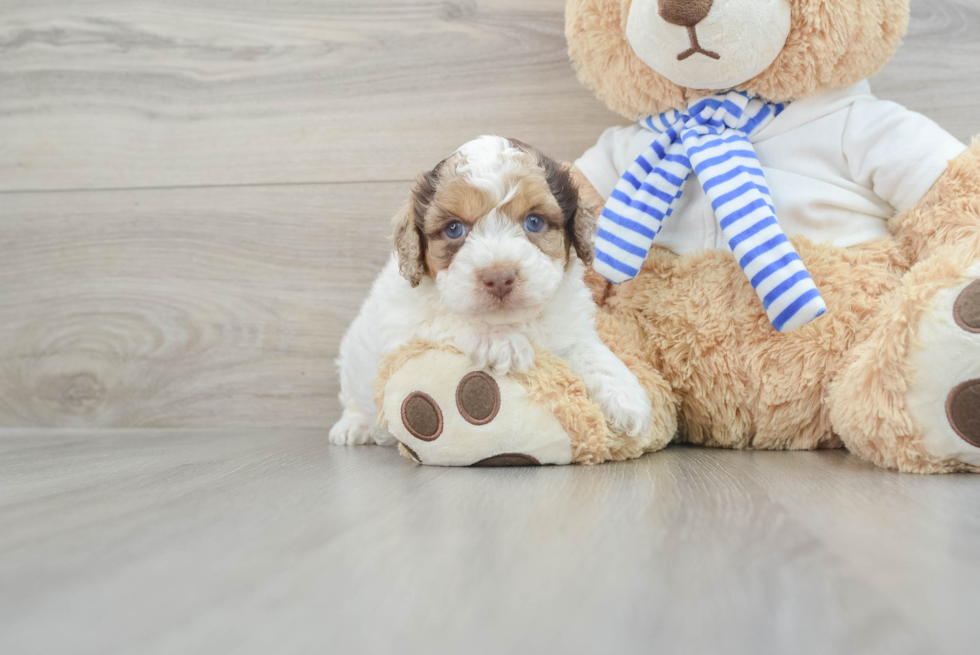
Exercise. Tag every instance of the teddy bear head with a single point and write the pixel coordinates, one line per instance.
(644, 57)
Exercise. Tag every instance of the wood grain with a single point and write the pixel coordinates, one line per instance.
(199, 280)
(191, 307)
(115, 94)
(935, 71)
(111, 93)
(273, 541)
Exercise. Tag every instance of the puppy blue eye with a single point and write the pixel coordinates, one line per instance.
(454, 230)
(533, 223)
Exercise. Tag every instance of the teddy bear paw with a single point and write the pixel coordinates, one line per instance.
(447, 413)
(944, 398)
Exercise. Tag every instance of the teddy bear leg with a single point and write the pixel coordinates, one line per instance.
(908, 396)
(445, 411)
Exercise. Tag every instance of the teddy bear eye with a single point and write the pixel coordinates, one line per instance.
(533, 223)
(455, 230)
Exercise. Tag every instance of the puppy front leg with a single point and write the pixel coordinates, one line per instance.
(612, 385)
(360, 352)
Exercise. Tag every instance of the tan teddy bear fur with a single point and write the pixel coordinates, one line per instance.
(693, 331)
(694, 322)
(832, 43)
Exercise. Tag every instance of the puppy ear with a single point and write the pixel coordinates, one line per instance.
(408, 237)
(407, 241)
(580, 222)
(583, 231)
(590, 204)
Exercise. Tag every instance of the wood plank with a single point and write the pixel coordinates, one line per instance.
(935, 71)
(111, 93)
(114, 94)
(905, 535)
(273, 541)
(193, 307)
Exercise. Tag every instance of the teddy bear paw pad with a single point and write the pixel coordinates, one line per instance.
(478, 398)
(944, 399)
(966, 309)
(963, 411)
(445, 413)
(508, 459)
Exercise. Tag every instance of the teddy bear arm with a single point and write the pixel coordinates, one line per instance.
(949, 214)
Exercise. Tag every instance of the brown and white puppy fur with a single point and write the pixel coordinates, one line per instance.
(489, 257)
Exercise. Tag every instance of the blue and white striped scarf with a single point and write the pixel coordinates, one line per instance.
(712, 138)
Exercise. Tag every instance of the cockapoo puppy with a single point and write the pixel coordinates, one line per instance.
(489, 257)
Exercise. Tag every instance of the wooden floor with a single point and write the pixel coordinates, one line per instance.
(275, 542)
(194, 196)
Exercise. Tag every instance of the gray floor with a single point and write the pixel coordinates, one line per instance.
(264, 541)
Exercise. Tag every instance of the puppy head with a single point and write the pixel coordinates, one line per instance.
(496, 225)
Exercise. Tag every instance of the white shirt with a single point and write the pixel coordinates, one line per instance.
(839, 165)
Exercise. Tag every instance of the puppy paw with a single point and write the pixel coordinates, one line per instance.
(626, 406)
(353, 429)
(502, 354)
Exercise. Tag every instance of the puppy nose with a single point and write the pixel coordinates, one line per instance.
(686, 13)
(499, 281)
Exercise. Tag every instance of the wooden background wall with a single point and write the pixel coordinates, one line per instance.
(194, 194)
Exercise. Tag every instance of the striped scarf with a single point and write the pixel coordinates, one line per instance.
(712, 138)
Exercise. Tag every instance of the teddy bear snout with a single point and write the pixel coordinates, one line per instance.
(686, 13)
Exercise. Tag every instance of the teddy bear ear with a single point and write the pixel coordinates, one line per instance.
(408, 236)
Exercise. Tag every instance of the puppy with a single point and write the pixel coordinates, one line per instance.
(489, 257)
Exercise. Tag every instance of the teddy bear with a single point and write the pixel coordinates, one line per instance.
(783, 260)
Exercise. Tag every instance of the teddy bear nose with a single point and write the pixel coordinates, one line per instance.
(499, 280)
(686, 13)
